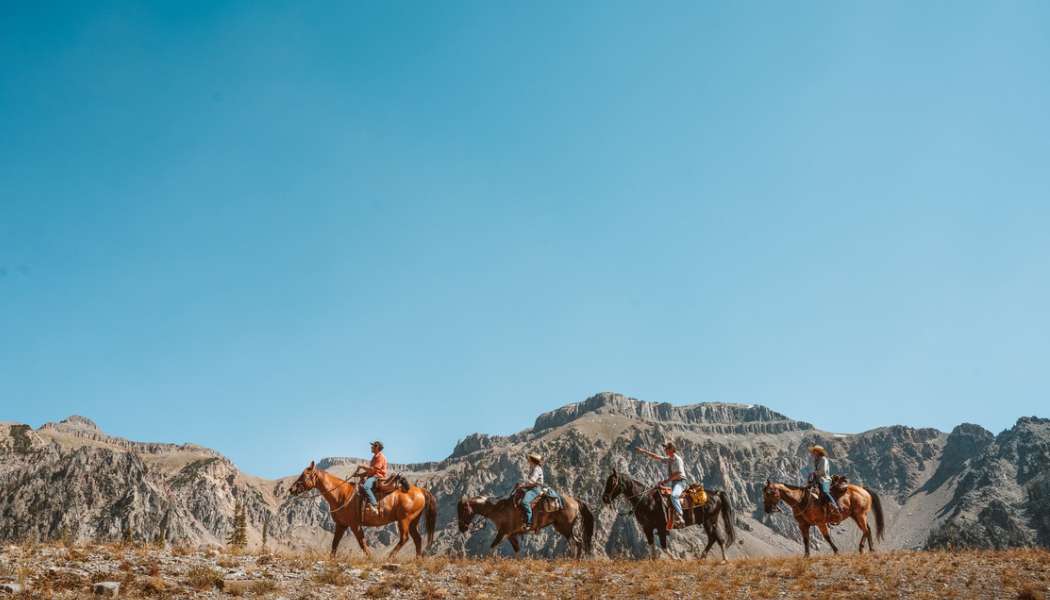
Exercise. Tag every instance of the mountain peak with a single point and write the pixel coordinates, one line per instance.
(75, 423)
(611, 403)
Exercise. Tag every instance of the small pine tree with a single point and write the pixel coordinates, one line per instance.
(238, 537)
(125, 536)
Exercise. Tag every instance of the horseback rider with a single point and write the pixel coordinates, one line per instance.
(375, 471)
(822, 474)
(675, 477)
(533, 486)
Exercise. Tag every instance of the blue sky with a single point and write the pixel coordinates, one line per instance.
(284, 229)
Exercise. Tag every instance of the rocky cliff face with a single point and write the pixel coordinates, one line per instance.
(970, 488)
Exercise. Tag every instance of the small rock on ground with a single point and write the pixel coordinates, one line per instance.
(107, 588)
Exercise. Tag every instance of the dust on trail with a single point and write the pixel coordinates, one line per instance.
(142, 571)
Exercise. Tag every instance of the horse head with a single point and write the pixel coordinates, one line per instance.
(308, 480)
(465, 513)
(771, 497)
(613, 488)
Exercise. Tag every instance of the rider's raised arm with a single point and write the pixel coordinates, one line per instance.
(651, 455)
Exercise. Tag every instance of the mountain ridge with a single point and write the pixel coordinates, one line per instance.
(936, 484)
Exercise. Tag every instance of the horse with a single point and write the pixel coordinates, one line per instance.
(406, 506)
(855, 502)
(649, 512)
(507, 516)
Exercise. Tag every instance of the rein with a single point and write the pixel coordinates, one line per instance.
(353, 494)
(328, 490)
(634, 507)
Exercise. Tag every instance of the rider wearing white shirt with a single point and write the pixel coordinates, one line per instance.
(533, 486)
(675, 476)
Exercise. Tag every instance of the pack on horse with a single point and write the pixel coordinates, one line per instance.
(506, 515)
(653, 514)
(810, 508)
(397, 501)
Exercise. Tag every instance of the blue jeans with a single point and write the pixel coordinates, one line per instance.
(526, 504)
(825, 487)
(367, 488)
(677, 488)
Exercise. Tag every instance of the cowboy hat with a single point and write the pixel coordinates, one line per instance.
(377, 443)
(536, 458)
(818, 449)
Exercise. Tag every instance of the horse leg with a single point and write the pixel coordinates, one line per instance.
(514, 544)
(359, 534)
(566, 530)
(804, 527)
(827, 537)
(402, 532)
(652, 544)
(710, 540)
(663, 541)
(339, 531)
(865, 532)
(718, 535)
(417, 539)
(499, 538)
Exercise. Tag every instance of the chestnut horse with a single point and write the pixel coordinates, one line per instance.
(406, 508)
(506, 515)
(855, 503)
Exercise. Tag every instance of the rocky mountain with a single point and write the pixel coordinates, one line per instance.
(971, 488)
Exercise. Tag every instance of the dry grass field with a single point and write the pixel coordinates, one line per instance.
(55, 571)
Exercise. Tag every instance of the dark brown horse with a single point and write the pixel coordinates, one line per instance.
(649, 512)
(506, 515)
(406, 507)
(809, 510)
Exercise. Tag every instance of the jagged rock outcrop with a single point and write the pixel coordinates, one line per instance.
(1001, 486)
(970, 488)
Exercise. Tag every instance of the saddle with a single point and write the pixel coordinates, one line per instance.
(390, 484)
(839, 487)
(547, 501)
(694, 497)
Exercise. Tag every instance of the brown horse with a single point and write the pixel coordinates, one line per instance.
(810, 511)
(506, 515)
(404, 507)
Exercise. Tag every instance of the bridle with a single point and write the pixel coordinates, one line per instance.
(621, 492)
(319, 485)
(474, 524)
(779, 498)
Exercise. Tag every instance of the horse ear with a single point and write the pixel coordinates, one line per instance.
(614, 471)
(767, 481)
(311, 467)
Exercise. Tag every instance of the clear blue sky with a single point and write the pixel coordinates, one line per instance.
(282, 231)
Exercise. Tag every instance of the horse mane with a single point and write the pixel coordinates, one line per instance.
(790, 486)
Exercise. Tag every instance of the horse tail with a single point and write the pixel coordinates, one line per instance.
(728, 518)
(588, 525)
(431, 512)
(880, 521)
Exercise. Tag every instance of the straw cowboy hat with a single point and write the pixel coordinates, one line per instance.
(536, 458)
(818, 449)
